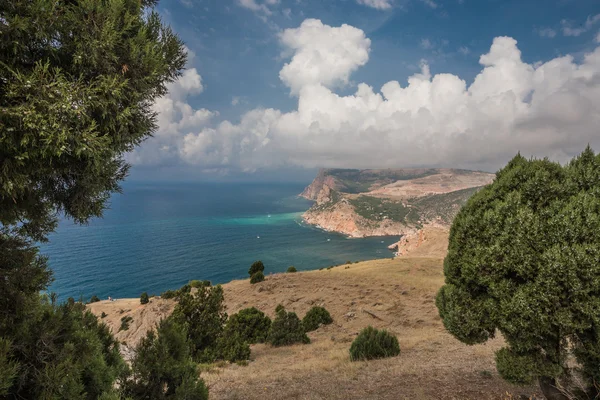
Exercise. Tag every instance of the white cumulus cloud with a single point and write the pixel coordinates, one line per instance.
(547, 109)
(322, 54)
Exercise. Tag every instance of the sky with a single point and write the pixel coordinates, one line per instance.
(275, 89)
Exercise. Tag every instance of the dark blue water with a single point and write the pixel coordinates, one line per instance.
(159, 236)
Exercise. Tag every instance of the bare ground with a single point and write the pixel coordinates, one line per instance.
(398, 295)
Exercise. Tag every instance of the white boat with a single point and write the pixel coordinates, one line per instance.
(258, 237)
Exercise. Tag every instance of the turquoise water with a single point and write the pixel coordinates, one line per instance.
(156, 237)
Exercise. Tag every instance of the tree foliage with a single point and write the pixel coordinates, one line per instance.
(144, 299)
(316, 317)
(257, 266)
(257, 277)
(163, 368)
(371, 344)
(286, 329)
(203, 314)
(524, 260)
(251, 324)
(77, 85)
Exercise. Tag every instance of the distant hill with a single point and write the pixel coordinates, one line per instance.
(382, 202)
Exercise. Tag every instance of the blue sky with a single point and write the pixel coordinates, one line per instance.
(237, 50)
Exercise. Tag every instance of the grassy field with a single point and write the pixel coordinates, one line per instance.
(398, 295)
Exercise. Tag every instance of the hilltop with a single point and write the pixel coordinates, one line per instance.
(398, 295)
(361, 203)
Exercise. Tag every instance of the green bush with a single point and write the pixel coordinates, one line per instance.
(292, 269)
(316, 317)
(257, 277)
(162, 367)
(233, 347)
(257, 266)
(94, 299)
(144, 298)
(103, 315)
(197, 284)
(204, 315)
(251, 324)
(279, 308)
(168, 294)
(125, 323)
(287, 329)
(372, 344)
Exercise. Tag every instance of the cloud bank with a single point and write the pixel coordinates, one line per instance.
(547, 109)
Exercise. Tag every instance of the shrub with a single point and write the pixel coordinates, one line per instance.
(162, 366)
(287, 329)
(315, 317)
(94, 299)
(250, 324)
(125, 322)
(279, 308)
(103, 315)
(233, 347)
(144, 298)
(168, 294)
(372, 344)
(291, 269)
(204, 315)
(257, 277)
(197, 284)
(257, 266)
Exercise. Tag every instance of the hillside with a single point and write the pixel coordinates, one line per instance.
(401, 295)
(361, 203)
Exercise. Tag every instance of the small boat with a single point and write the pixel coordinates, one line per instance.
(258, 237)
(329, 240)
(269, 216)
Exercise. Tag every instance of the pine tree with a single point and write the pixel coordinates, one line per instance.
(524, 260)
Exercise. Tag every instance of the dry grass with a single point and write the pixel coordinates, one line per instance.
(399, 292)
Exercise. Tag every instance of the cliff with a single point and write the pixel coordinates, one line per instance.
(361, 203)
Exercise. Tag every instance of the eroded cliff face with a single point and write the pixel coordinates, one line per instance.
(323, 181)
(403, 207)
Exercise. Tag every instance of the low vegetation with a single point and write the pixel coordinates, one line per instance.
(373, 344)
(250, 324)
(257, 277)
(144, 299)
(291, 269)
(286, 329)
(94, 299)
(162, 367)
(125, 323)
(315, 317)
(256, 267)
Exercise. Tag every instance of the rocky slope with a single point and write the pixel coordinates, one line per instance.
(361, 203)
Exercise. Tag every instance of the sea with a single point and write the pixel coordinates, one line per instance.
(159, 236)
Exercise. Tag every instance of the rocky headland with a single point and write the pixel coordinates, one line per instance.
(361, 203)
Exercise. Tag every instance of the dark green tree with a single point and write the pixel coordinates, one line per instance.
(144, 299)
(286, 329)
(203, 314)
(257, 277)
(524, 260)
(251, 324)
(77, 85)
(257, 266)
(371, 344)
(163, 368)
(291, 269)
(316, 317)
